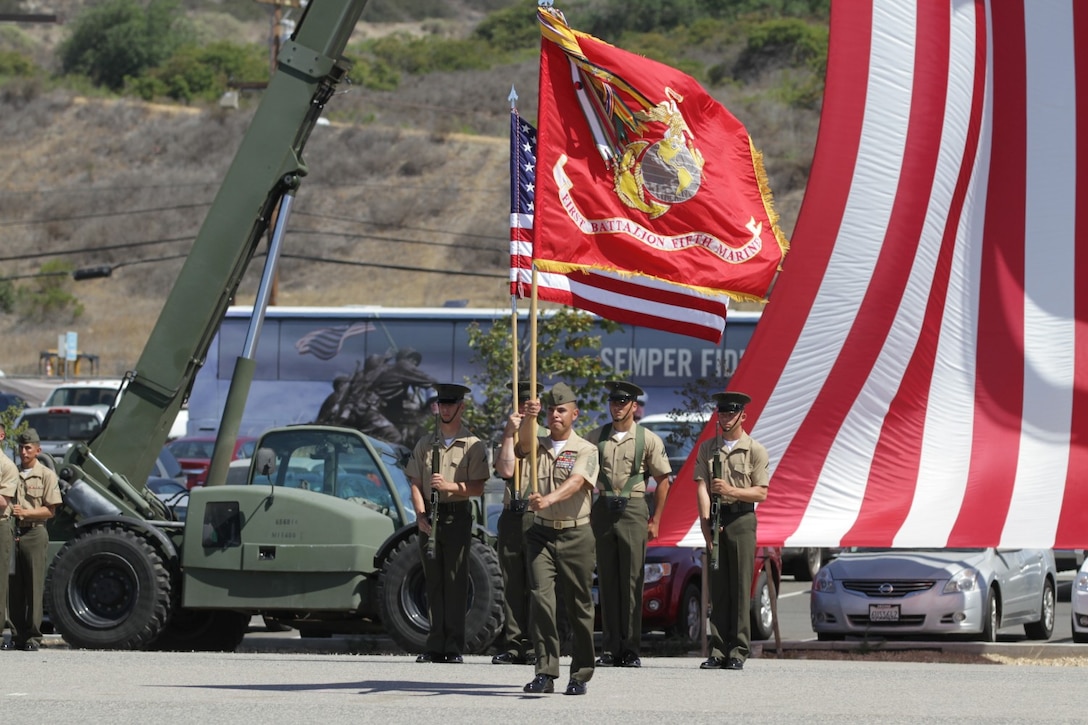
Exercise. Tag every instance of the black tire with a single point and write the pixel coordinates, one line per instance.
(762, 613)
(199, 630)
(108, 588)
(991, 618)
(689, 615)
(402, 597)
(1042, 629)
(808, 566)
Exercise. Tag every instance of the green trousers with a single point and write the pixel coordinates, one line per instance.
(563, 556)
(7, 552)
(447, 579)
(731, 587)
(515, 638)
(621, 574)
(28, 586)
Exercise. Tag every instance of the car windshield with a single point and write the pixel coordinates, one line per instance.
(82, 396)
(63, 426)
(339, 465)
(679, 436)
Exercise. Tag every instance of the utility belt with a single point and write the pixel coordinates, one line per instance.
(560, 523)
(517, 506)
(740, 507)
(21, 530)
(616, 501)
(454, 507)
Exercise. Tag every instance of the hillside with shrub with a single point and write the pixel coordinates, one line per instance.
(122, 121)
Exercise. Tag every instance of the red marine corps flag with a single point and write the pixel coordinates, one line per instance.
(641, 174)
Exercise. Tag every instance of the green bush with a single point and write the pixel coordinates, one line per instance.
(201, 73)
(417, 56)
(784, 42)
(374, 74)
(120, 39)
(15, 64)
(48, 297)
(512, 28)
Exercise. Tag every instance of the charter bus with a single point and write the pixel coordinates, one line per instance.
(305, 353)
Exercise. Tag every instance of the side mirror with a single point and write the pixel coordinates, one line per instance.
(265, 462)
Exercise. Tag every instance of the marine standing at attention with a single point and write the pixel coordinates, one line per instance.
(628, 453)
(560, 541)
(36, 501)
(459, 474)
(732, 474)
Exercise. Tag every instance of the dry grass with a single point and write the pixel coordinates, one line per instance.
(416, 179)
(931, 656)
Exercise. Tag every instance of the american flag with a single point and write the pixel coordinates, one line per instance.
(634, 301)
(325, 343)
(919, 377)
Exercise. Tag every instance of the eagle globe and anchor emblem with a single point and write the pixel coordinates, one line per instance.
(653, 176)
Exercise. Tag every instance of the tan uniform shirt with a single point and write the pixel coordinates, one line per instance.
(746, 465)
(618, 462)
(9, 483)
(577, 457)
(39, 487)
(463, 460)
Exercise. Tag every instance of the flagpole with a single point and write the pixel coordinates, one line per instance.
(514, 377)
(515, 286)
(532, 376)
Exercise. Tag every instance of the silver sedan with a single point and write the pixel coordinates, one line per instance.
(1080, 604)
(973, 592)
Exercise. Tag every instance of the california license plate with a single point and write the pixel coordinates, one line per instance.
(883, 612)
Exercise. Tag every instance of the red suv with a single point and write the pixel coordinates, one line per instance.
(194, 453)
(671, 598)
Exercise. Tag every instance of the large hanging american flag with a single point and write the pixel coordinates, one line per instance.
(622, 298)
(920, 377)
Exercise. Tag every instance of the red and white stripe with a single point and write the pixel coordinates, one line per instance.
(920, 376)
(625, 299)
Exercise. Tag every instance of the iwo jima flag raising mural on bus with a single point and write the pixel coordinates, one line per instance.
(646, 188)
(920, 377)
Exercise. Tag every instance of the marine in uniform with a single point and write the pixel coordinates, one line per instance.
(560, 541)
(628, 453)
(744, 475)
(9, 484)
(515, 645)
(462, 471)
(36, 501)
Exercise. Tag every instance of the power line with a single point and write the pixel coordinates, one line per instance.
(396, 267)
(101, 215)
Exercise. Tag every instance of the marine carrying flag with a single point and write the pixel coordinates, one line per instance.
(626, 299)
(642, 175)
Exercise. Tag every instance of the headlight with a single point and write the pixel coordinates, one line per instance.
(965, 580)
(1081, 582)
(657, 572)
(823, 582)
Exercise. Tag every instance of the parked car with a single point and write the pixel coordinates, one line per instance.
(173, 494)
(84, 392)
(679, 433)
(1079, 600)
(672, 593)
(194, 453)
(59, 427)
(11, 400)
(971, 592)
(805, 563)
